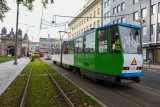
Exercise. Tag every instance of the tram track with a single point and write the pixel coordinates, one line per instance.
(68, 101)
(26, 87)
(146, 89)
(133, 94)
(24, 96)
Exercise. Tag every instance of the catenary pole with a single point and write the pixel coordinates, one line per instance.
(16, 37)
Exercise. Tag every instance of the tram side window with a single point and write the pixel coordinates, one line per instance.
(102, 41)
(79, 45)
(89, 43)
(115, 40)
(57, 49)
(71, 47)
(65, 48)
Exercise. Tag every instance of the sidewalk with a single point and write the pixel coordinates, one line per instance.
(8, 72)
(152, 65)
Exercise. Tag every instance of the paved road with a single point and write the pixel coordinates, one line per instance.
(131, 95)
(151, 78)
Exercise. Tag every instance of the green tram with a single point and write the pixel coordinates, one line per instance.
(96, 54)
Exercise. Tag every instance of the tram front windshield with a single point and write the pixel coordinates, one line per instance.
(130, 39)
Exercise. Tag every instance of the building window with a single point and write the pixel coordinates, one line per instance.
(98, 11)
(135, 1)
(144, 31)
(123, 6)
(87, 18)
(118, 8)
(144, 12)
(94, 25)
(98, 23)
(90, 26)
(94, 13)
(153, 29)
(105, 4)
(105, 15)
(108, 3)
(122, 19)
(114, 10)
(108, 14)
(159, 7)
(82, 22)
(135, 16)
(90, 16)
(153, 9)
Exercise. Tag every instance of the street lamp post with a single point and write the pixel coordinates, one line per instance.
(61, 44)
(32, 44)
(27, 40)
(16, 38)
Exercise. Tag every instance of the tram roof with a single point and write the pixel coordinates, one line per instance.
(120, 24)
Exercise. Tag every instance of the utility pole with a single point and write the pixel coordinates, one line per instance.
(27, 40)
(61, 50)
(16, 38)
(32, 44)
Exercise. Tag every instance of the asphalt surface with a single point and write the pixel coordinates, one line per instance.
(113, 95)
(151, 78)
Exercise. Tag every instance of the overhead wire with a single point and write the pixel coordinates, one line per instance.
(93, 17)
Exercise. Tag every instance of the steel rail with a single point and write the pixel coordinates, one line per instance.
(25, 91)
(59, 89)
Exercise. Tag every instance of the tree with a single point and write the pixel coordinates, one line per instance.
(3, 9)
(28, 3)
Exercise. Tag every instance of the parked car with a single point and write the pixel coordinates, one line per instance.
(47, 57)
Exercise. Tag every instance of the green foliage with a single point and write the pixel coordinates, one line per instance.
(28, 3)
(3, 9)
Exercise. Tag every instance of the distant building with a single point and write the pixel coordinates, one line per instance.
(7, 42)
(46, 45)
(89, 18)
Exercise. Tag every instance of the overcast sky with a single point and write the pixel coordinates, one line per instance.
(60, 7)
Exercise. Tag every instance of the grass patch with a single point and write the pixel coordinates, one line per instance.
(12, 96)
(38, 67)
(42, 93)
(27, 69)
(5, 59)
(77, 96)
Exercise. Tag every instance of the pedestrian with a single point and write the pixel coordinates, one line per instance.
(117, 44)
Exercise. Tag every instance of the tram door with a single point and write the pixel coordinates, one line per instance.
(115, 40)
(115, 50)
(102, 58)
